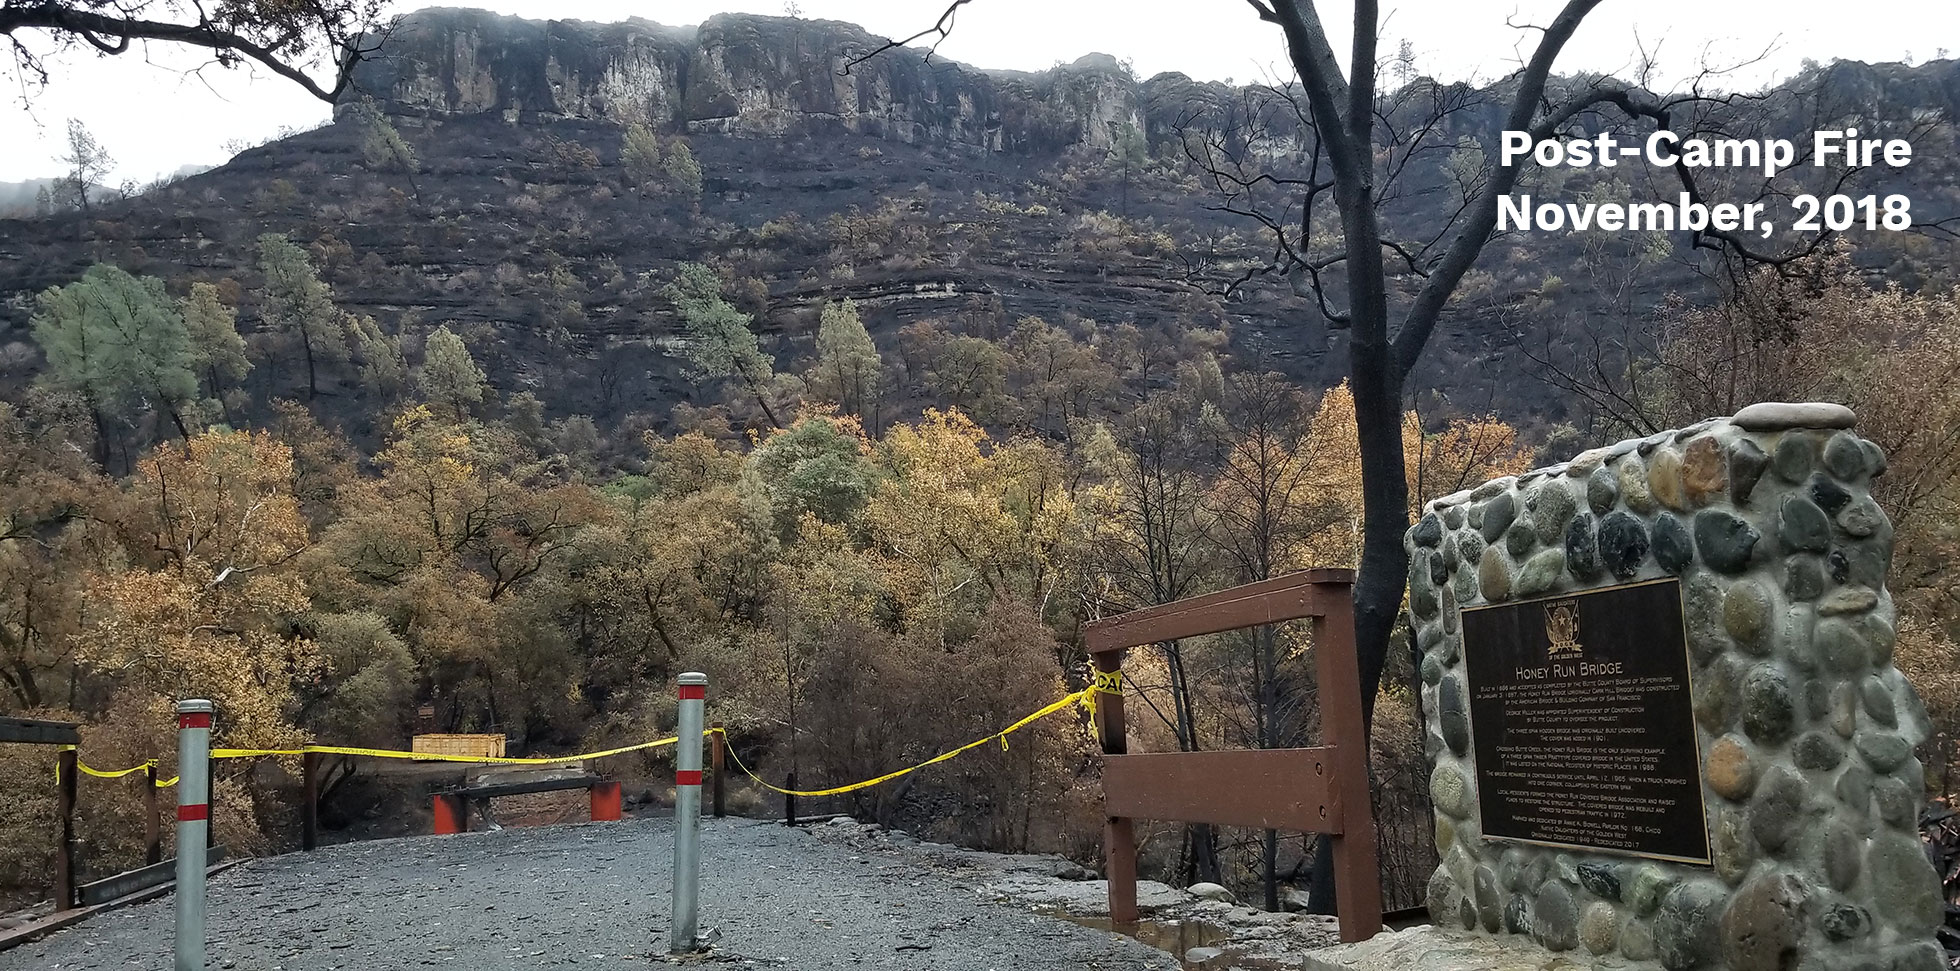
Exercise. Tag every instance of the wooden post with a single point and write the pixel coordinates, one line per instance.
(152, 823)
(211, 787)
(715, 754)
(1119, 833)
(67, 764)
(309, 832)
(789, 802)
(1357, 875)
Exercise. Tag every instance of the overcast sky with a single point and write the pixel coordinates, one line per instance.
(154, 116)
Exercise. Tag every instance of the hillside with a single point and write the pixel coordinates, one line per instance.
(922, 189)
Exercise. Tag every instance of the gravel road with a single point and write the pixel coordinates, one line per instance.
(594, 896)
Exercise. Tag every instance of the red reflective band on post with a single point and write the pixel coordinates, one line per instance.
(694, 692)
(195, 719)
(193, 814)
(687, 777)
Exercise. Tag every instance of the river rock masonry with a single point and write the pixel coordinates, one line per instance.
(1805, 730)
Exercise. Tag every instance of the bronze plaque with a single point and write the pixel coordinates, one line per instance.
(1582, 723)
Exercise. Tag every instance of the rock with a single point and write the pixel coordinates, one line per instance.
(1882, 751)
(1803, 578)
(1729, 770)
(1746, 466)
(1622, 544)
(1843, 855)
(1602, 490)
(1896, 803)
(1293, 900)
(1520, 539)
(1648, 885)
(1828, 495)
(1582, 548)
(1921, 956)
(1874, 458)
(1763, 925)
(1865, 562)
(1541, 572)
(1848, 600)
(1453, 515)
(1842, 645)
(1854, 788)
(1704, 471)
(1839, 566)
(1494, 575)
(1432, 669)
(1199, 955)
(1455, 715)
(1212, 891)
(1452, 556)
(1862, 518)
(1772, 416)
(1442, 895)
(1844, 457)
(1489, 899)
(1428, 531)
(1492, 488)
(1602, 880)
(1878, 702)
(1845, 922)
(1422, 591)
(1702, 610)
(1673, 548)
(1555, 918)
(1599, 927)
(1730, 847)
(1801, 525)
(1664, 479)
(1553, 509)
(1687, 929)
(1717, 696)
(1745, 615)
(1817, 752)
(1844, 710)
(1498, 514)
(1768, 708)
(1449, 791)
(1633, 486)
(1637, 940)
(1899, 875)
(1776, 815)
(1517, 914)
(1725, 540)
(1796, 456)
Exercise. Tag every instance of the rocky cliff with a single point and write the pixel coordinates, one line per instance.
(750, 75)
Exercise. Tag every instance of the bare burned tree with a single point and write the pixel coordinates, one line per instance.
(289, 39)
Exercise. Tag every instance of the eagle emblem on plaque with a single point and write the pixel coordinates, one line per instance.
(1562, 629)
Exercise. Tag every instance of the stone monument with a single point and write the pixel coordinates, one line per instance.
(1662, 718)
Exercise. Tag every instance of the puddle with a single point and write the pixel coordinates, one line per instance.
(1180, 938)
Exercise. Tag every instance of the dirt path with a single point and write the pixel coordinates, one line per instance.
(593, 896)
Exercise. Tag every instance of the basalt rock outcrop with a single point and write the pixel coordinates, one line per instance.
(759, 76)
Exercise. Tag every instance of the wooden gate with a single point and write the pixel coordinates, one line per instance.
(1315, 790)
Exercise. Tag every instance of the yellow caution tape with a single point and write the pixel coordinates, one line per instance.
(1079, 697)
(1106, 682)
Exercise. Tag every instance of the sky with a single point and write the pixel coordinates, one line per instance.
(155, 112)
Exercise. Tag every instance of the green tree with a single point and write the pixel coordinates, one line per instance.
(382, 146)
(88, 162)
(298, 307)
(720, 343)
(117, 342)
(684, 170)
(847, 368)
(382, 369)
(639, 153)
(449, 377)
(216, 346)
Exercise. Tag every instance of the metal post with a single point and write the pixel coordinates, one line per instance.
(716, 750)
(687, 813)
(193, 825)
(309, 833)
(152, 822)
(66, 768)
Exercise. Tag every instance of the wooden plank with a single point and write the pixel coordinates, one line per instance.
(1288, 788)
(521, 788)
(1291, 597)
(1357, 869)
(37, 731)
